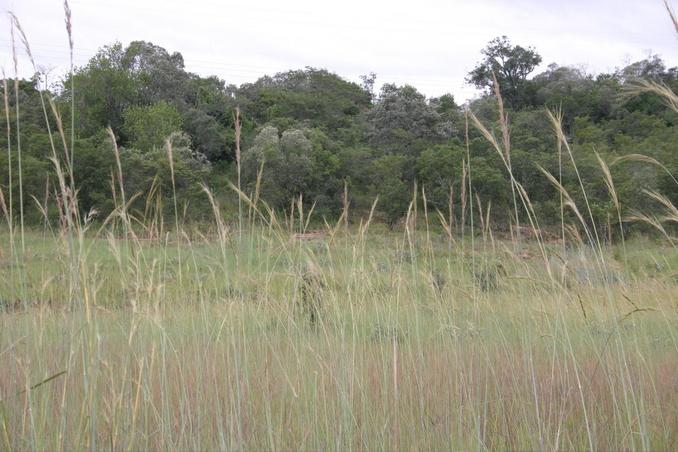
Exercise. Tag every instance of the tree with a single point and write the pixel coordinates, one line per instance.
(394, 193)
(286, 163)
(438, 169)
(104, 89)
(147, 128)
(511, 66)
(403, 122)
(451, 116)
(142, 75)
(368, 81)
(305, 98)
(208, 117)
(159, 75)
(189, 169)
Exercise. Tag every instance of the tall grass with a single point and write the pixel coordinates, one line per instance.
(129, 335)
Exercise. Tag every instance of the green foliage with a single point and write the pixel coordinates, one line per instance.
(403, 122)
(119, 80)
(313, 98)
(147, 128)
(296, 162)
(143, 168)
(105, 88)
(438, 170)
(315, 132)
(394, 192)
(510, 64)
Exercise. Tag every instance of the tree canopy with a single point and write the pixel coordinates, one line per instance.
(510, 65)
(311, 133)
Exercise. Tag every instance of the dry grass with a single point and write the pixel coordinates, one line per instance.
(396, 361)
(195, 339)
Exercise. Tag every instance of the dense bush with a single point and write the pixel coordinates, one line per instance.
(313, 132)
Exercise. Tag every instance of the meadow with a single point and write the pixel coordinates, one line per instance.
(358, 339)
(256, 327)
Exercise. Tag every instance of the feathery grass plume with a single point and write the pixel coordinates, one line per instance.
(24, 41)
(116, 152)
(429, 246)
(68, 21)
(415, 200)
(666, 202)
(574, 234)
(238, 129)
(69, 28)
(290, 222)
(569, 202)
(14, 24)
(114, 191)
(409, 232)
(470, 184)
(524, 198)
(446, 225)
(462, 197)
(366, 226)
(3, 205)
(257, 188)
(644, 159)
(450, 208)
(10, 218)
(308, 216)
(151, 198)
(46, 204)
(345, 205)
(660, 89)
(558, 129)
(637, 216)
(222, 228)
(480, 213)
(609, 183)
(121, 209)
(66, 191)
(268, 217)
(42, 207)
(170, 158)
(5, 432)
(300, 207)
(559, 147)
(506, 142)
(27, 48)
(487, 221)
(503, 119)
(672, 15)
(671, 213)
(62, 134)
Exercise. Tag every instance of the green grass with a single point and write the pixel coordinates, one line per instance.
(205, 345)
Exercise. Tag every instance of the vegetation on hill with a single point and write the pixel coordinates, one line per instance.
(314, 134)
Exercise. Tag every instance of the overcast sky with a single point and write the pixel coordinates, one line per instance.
(429, 44)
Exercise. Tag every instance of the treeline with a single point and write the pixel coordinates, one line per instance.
(312, 133)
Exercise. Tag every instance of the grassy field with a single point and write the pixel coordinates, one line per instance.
(126, 335)
(367, 339)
